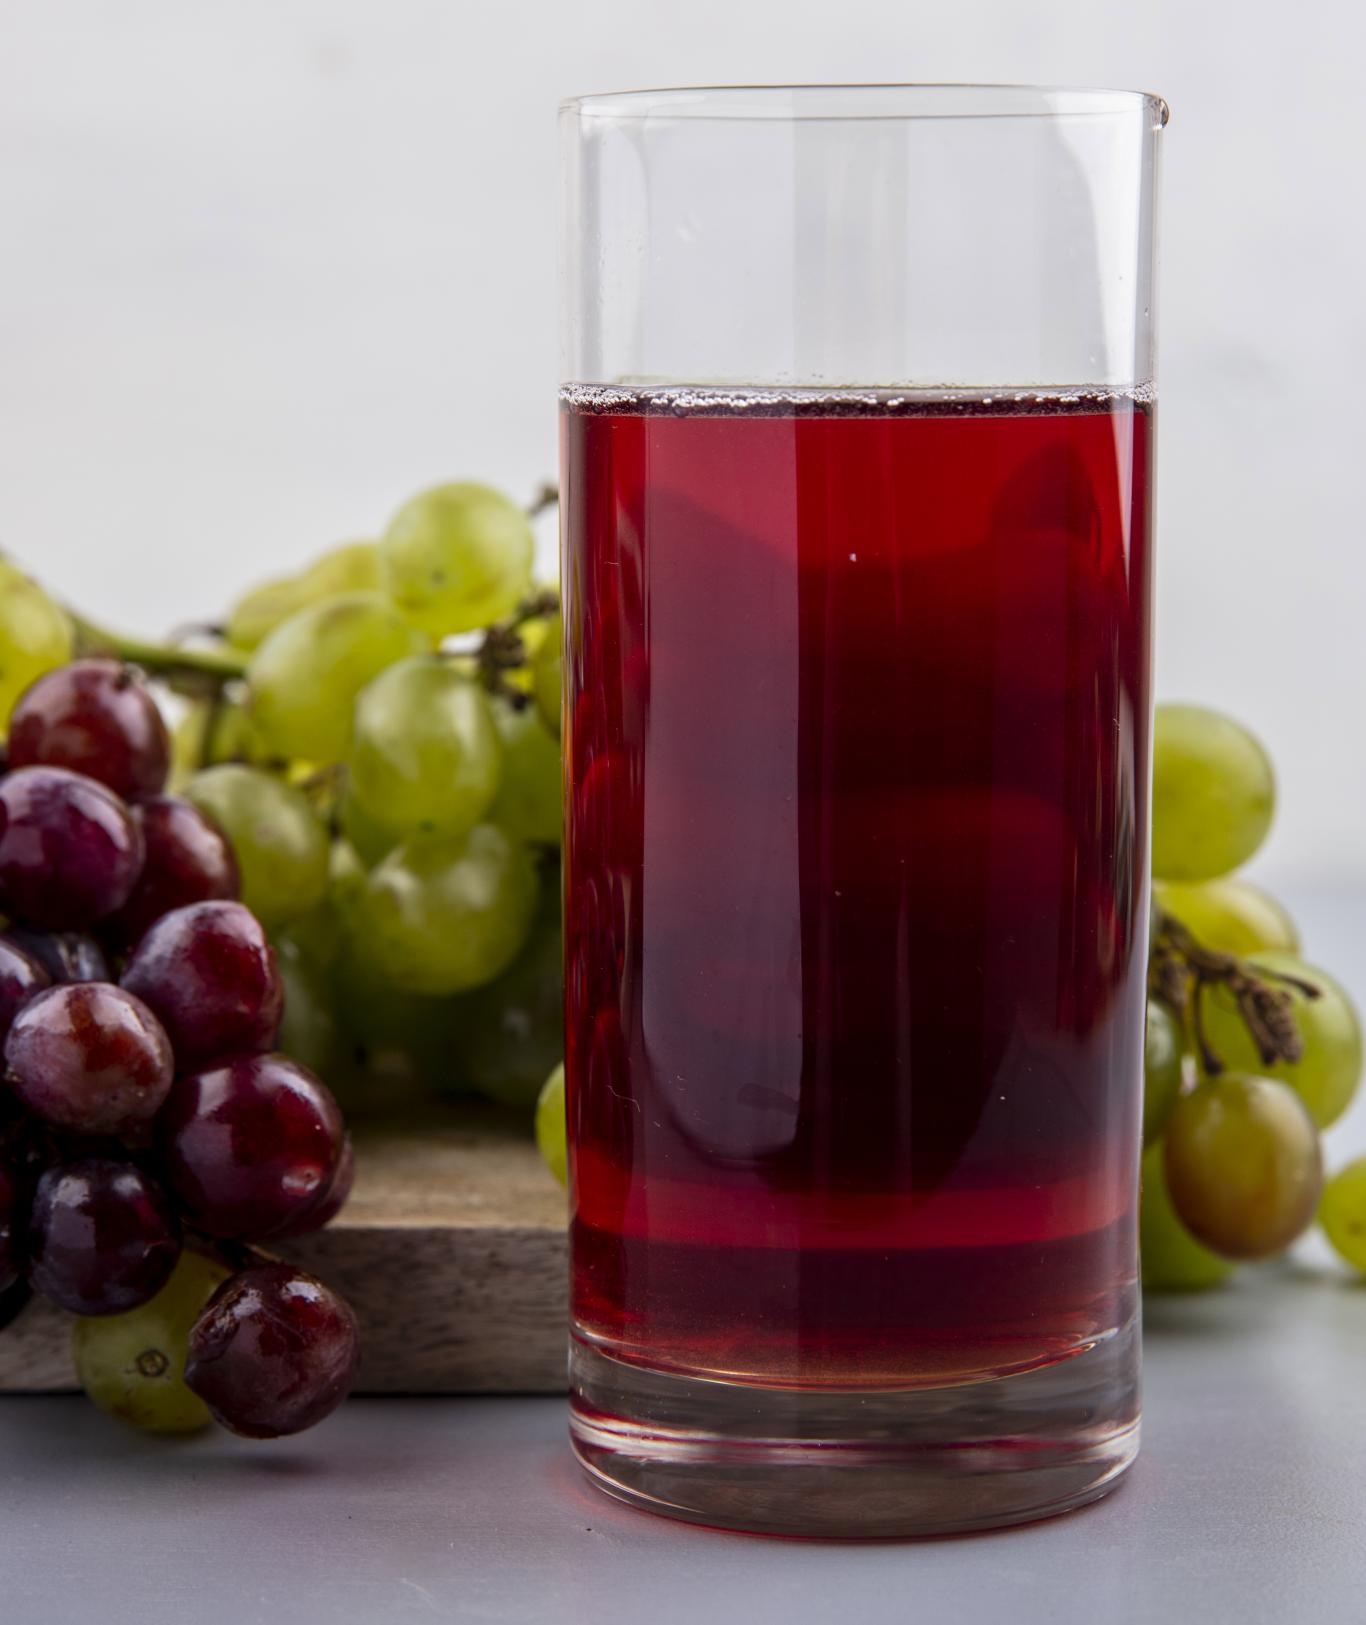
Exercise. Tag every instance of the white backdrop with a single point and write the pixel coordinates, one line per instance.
(267, 267)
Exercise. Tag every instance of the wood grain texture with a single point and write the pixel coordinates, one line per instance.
(451, 1250)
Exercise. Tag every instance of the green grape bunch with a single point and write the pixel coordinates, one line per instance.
(397, 800)
(1252, 1050)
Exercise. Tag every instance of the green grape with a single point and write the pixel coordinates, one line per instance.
(1161, 1069)
(512, 1031)
(133, 1365)
(457, 557)
(1230, 915)
(1241, 1156)
(35, 635)
(353, 567)
(308, 1029)
(281, 845)
(1327, 1074)
(397, 1049)
(347, 873)
(551, 1128)
(1172, 1259)
(426, 754)
(304, 679)
(443, 915)
(528, 804)
(370, 841)
(1214, 793)
(546, 677)
(256, 614)
(1342, 1212)
(350, 567)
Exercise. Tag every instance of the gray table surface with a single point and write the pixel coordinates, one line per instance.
(1248, 1503)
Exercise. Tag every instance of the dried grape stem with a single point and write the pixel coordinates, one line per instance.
(503, 648)
(1180, 971)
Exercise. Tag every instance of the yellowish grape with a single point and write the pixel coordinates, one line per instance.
(353, 567)
(370, 840)
(279, 841)
(457, 557)
(511, 1032)
(551, 1128)
(443, 915)
(1161, 1069)
(1172, 1259)
(304, 679)
(133, 1365)
(546, 677)
(426, 755)
(347, 875)
(395, 1048)
(528, 804)
(1327, 1075)
(1342, 1212)
(35, 635)
(260, 609)
(1241, 1158)
(308, 1028)
(1230, 915)
(1214, 793)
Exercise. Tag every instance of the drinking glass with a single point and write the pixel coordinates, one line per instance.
(857, 447)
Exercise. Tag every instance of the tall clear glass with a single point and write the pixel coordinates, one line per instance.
(857, 427)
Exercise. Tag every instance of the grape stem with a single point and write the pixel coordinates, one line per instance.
(217, 666)
(547, 496)
(233, 1255)
(503, 649)
(1181, 970)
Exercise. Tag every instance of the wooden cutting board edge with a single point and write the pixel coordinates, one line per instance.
(452, 1251)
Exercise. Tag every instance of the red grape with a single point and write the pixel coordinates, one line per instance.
(69, 851)
(11, 1226)
(89, 1057)
(209, 973)
(188, 860)
(94, 717)
(250, 1145)
(274, 1352)
(102, 1237)
(333, 1199)
(66, 956)
(21, 976)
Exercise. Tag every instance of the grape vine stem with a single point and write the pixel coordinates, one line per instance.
(1181, 969)
(217, 666)
(503, 649)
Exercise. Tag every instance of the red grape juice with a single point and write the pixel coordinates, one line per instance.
(856, 909)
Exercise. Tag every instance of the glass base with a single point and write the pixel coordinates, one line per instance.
(872, 1464)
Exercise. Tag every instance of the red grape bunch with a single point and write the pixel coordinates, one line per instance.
(149, 1136)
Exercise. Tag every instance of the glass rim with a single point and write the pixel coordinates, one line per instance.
(889, 102)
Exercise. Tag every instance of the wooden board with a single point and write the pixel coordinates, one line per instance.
(451, 1250)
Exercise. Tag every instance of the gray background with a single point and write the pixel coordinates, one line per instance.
(266, 268)
(1245, 1508)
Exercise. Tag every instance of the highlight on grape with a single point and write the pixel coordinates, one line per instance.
(306, 864)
